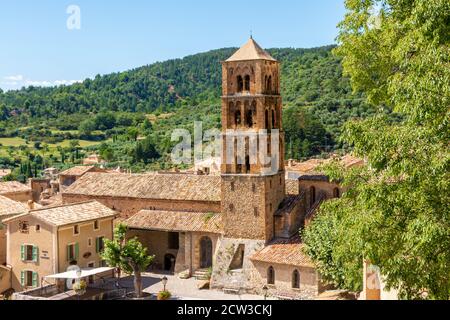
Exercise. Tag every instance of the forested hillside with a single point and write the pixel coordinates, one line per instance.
(317, 100)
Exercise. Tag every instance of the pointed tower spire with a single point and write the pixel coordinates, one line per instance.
(251, 51)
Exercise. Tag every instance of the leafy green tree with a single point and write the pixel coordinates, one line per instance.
(128, 255)
(87, 126)
(396, 210)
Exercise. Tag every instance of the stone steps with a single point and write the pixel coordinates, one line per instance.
(202, 274)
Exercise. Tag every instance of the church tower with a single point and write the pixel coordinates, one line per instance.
(252, 188)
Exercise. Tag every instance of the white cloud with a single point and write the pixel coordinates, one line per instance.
(15, 78)
(18, 81)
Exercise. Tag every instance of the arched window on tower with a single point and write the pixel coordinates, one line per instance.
(240, 84)
(269, 84)
(247, 83)
(273, 119)
(247, 164)
(271, 275)
(295, 279)
(267, 119)
(249, 118)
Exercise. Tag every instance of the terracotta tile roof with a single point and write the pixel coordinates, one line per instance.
(10, 207)
(13, 186)
(176, 221)
(148, 186)
(310, 166)
(77, 171)
(70, 214)
(250, 51)
(286, 252)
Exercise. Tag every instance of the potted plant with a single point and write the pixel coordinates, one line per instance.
(164, 295)
(80, 287)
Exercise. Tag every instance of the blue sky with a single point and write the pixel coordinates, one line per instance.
(38, 48)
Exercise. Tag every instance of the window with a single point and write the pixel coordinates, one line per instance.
(247, 83)
(231, 207)
(96, 225)
(267, 119)
(24, 226)
(29, 279)
(336, 193)
(253, 187)
(99, 244)
(76, 230)
(237, 118)
(271, 275)
(38, 228)
(232, 186)
(273, 119)
(174, 241)
(296, 280)
(29, 253)
(247, 164)
(103, 264)
(270, 207)
(89, 242)
(255, 212)
(240, 84)
(269, 84)
(72, 252)
(249, 118)
(312, 195)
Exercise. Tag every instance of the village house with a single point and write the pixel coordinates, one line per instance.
(16, 191)
(46, 241)
(66, 178)
(8, 209)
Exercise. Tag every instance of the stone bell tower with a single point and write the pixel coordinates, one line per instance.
(252, 188)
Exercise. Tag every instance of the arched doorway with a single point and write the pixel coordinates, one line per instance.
(169, 262)
(206, 252)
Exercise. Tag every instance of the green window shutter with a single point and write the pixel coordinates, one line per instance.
(97, 245)
(35, 279)
(22, 252)
(22, 278)
(35, 253)
(76, 251)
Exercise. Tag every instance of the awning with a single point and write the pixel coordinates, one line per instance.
(84, 273)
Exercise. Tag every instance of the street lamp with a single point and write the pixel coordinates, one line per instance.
(164, 282)
(265, 289)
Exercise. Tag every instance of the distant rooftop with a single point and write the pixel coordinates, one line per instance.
(77, 171)
(70, 214)
(9, 207)
(287, 252)
(250, 51)
(181, 187)
(13, 186)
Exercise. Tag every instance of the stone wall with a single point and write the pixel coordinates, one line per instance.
(223, 276)
(130, 206)
(325, 187)
(249, 204)
(2, 244)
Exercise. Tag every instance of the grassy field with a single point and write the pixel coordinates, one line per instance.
(16, 142)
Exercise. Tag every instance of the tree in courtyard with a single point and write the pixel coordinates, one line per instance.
(128, 255)
(396, 210)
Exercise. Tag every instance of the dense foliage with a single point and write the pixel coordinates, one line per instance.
(396, 212)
